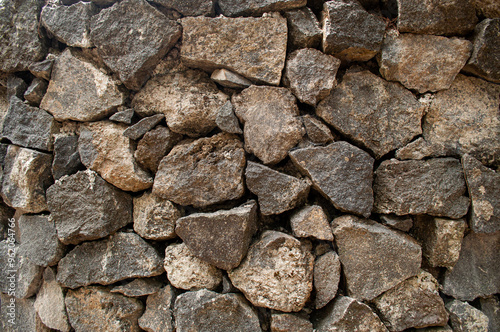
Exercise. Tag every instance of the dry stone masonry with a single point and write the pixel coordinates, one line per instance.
(260, 165)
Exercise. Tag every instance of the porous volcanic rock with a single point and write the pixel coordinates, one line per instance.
(311, 221)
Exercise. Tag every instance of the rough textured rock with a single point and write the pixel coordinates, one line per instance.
(310, 74)
(326, 278)
(21, 45)
(139, 287)
(153, 146)
(311, 221)
(350, 33)
(227, 121)
(26, 176)
(158, 314)
(69, 24)
(42, 69)
(434, 186)
(380, 115)
(121, 256)
(150, 35)
(209, 311)
(94, 309)
(277, 192)
(271, 123)
(476, 274)
(155, 218)
(485, 58)
(124, 116)
(189, 99)
(85, 207)
(394, 256)
(487, 8)
(39, 242)
(290, 323)
(143, 126)
(35, 92)
(317, 131)
(434, 17)
(186, 271)
(103, 148)
(189, 7)
(220, 238)
(464, 119)
(491, 308)
(80, 91)
(422, 62)
(229, 79)
(16, 86)
(277, 272)
(29, 126)
(49, 303)
(66, 157)
(441, 239)
(25, 318)
(341, 172)
(204, 172)
(257, 7)
(303, 29)
(464, 317)
(402, 223)
(347, 314)
(252, 47)
(413, 303)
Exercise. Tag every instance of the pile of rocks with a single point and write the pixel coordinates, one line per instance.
(223, 165)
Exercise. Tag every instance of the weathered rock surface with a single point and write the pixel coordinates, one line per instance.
(49, 303)
(434, 186)
(326, 278)
(29, 126)
(189, 99)
(208, 311)
(303, 29)
(26, 176)
(203, 172)
(80, 91)
(317, 131)
(42, 69)
(138, 130)
(423, 62)
(485, 59)
(66, 157)
(16, 86)
(277, 272)
(441, 239)
(139, 287)
(69, 24)
(229, 79)
(124, 116)
(394, 256)
(434, 17)
(277, 192)
(154, 217)
(402, 223)
(491, 308)
(487, 8)
(413, 303)
(271, 123)
(158, 314)
(290, 322)
(311, 221)
(220, 238)
(103, 148)
(121, 256)
(25, 318)
(95, 309)
(226, 120)
(341, 172)
(476, 274)
(347, 314)
(380, 115)
(310, 74)
(85, 207)
(252, 47)
(464, 317)
(35, 92)
(153, 146)
(39, 242)
(186, 271)
(21, 45)
(350, 33)
(189, 7)
(132, 55)
(257, 7)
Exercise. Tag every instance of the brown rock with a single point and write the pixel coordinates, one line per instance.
(487, 8)
(139, 287)
(42, 69)
(204, 172)
(420, 149)
(290, 323)
(326, 278)
(257, 7)
(189, 7)
(158, 314)
(303, 29)
(491, 308)
(311, 221)
(229, 79)
(464, 317)
(252, 47)
(271, 123)
(316, 130)
(402, 223)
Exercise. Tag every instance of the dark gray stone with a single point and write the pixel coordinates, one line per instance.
(16, 86)
(36, 91)
(303, 29)
(326, 278)
(66, 156)
(29, 126)
(189, 7)
(257, 7)
(42, 69)
(341, 172)
(6, 214)
(124, 116)
(139, 287)
(289, 323)
(227, 121)
(132, 55)
(143, 126)
(119, 257)
(393, 256)
(491, 308)
(85, 207)
(464, 317)
(402, 223)
(207, 311)
(434, 186)
(154, 145)
(220, 238)
(159, 309)
(316, 130)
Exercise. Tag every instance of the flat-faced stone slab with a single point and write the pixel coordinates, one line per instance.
(229, 79)
(311, 221)
(257, 7)
(139, 287)
(66, 156)
(158, 316)
(189, 7)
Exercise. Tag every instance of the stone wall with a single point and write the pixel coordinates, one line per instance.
(224, 165)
